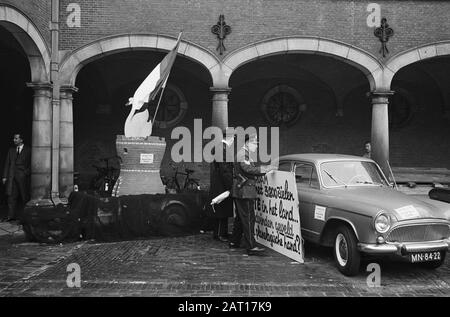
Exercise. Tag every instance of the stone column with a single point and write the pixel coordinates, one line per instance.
(220, 107)
(41, 144)
(380, 129)
(66, 155)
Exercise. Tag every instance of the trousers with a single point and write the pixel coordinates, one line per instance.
(17, 199)
(244, 223)
(220, 227)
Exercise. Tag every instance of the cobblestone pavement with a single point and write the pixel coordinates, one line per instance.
(195, 266)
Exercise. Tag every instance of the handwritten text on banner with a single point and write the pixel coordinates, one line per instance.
(277, 223)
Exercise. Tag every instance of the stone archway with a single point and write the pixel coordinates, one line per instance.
(72, 64)
(403, 59)
(338, 65)
(352, 55)
(108, 48)
(37, 53)
(423, 73)
(31, 40)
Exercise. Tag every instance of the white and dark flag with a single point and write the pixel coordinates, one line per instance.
(138, 123)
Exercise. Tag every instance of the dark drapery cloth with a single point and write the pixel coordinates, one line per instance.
(84, 207)
(114, 218)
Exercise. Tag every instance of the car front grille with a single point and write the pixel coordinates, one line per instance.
(419, 233)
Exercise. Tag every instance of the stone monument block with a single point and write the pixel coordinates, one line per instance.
(140, 167)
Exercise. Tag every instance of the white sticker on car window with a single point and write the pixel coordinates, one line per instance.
(407, 212)
(319, 213)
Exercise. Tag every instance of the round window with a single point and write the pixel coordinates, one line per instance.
(283, 105)
(172, 108)
(400, 108)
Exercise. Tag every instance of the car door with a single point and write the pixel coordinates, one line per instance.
(309, 196)
(285, 166)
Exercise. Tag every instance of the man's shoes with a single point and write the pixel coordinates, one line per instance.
(255, 251)
(220, 238)
(223, 239)
(233, 245)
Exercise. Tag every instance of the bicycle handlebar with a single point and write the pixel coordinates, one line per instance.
(100, 168)
(105, 159)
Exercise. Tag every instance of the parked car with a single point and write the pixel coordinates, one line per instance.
(347, 203)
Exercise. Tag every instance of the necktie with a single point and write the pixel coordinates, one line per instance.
(18, 150)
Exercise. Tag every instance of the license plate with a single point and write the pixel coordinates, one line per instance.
(425, 257)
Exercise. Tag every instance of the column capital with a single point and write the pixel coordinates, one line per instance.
(41, 89)
(68, 88)
(67, 91)
(220, 90)
(380, 97)
(40, 86)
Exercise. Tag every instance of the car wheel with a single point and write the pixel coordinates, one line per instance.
(175, 220)
(435, 264)
(345, 251)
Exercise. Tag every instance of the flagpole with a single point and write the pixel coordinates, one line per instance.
(164, 85)
(159, 101)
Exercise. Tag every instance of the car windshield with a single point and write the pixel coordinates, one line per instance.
(351, 173)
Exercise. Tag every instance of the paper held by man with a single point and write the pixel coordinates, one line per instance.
(220, 198)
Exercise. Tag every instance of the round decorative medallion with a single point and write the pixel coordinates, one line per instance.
(172, 109)
(282, 105)
(400, 108)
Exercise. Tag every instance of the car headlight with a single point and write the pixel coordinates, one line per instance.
(382, 223)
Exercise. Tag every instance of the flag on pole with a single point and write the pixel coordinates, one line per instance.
(138, 123)
(157, 79)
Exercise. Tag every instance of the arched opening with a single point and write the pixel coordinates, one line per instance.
(322, 119)
(17, 100)
(419, 114)
(105, 85)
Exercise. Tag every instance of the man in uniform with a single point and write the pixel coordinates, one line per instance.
(244, 194)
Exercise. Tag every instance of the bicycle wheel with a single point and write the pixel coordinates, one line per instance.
(192, 184)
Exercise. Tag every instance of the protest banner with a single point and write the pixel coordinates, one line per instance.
(277, 224)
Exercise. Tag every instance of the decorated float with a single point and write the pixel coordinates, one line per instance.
(140, 205)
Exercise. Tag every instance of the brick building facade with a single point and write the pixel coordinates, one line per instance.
(321, 55)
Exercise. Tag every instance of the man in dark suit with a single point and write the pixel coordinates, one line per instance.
(244, 194)
(221, 177)
(16, 176)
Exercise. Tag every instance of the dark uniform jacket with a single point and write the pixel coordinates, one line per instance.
(245, 174)
(18, 167)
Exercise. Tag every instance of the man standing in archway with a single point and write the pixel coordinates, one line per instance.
(16, 176)
(367, 150)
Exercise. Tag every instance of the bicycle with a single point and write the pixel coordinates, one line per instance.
(106, 176)
(190, 184)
